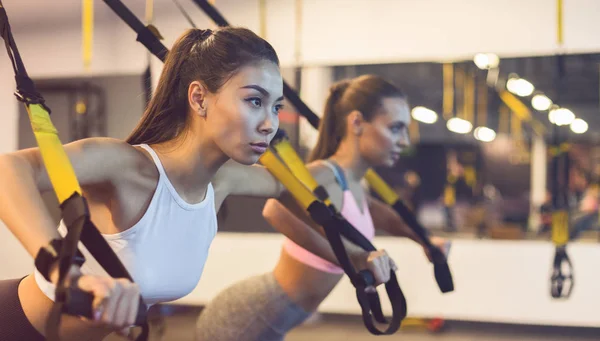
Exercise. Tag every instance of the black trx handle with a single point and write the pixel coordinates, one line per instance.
(562, 274)
(369, 303)
(64, 182)
(561, 280)
(441, 270)
(77, 302)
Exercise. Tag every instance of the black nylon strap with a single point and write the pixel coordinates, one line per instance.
(75, 213)
(321, 193)
(144, 34)
(335, 226)
(26, 91)
(443, 275)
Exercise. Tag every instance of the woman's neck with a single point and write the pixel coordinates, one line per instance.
(348, 157)
(191, 161)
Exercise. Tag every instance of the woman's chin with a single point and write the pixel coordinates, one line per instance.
(389, 162)
(247, 160)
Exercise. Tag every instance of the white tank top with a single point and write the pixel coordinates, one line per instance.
(165, 251)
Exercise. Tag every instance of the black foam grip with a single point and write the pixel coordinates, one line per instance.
(79, 303)
(562, 284)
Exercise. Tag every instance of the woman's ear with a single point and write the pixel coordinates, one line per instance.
(355, 122)
(197, 98)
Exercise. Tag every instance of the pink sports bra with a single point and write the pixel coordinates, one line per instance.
(350, 210)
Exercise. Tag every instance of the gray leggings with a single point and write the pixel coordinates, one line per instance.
(255, 309)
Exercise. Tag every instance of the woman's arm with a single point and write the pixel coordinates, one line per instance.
(291, 220)
(24, 178)
(98, 161)
(387, 219)
(236, 179)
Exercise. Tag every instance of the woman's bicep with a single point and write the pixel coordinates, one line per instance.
(286, 210)
(278, 216)
(297, 227)
(93, 161)
(255, 181)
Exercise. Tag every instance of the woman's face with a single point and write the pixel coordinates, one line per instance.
(383, 139)
(242, 117)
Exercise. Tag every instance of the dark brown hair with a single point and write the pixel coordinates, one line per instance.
(365, 94)
(212, 57)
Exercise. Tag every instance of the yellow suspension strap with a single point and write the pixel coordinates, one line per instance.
(449, 196)
(87, 25)
(469, 158)
(562, 281)
(74, 208)
(470, 169)
(335, 226)
(448, 97)
(286, 152)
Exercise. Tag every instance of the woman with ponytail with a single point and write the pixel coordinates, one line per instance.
(365, 124)
(154, 196)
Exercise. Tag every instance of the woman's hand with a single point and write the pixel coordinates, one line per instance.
(116, 300)
(378, 263)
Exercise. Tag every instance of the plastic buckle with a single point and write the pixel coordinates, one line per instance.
(20, 97)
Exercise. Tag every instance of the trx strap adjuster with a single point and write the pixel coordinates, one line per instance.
(48, 255)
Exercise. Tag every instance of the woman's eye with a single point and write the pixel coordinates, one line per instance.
(397, 128)
(278, 108)
(255, 101)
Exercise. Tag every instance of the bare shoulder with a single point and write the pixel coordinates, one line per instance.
(322, 174)
(107, 158)
(109, 151)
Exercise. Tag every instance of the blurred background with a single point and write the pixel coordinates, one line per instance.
(494, 86)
